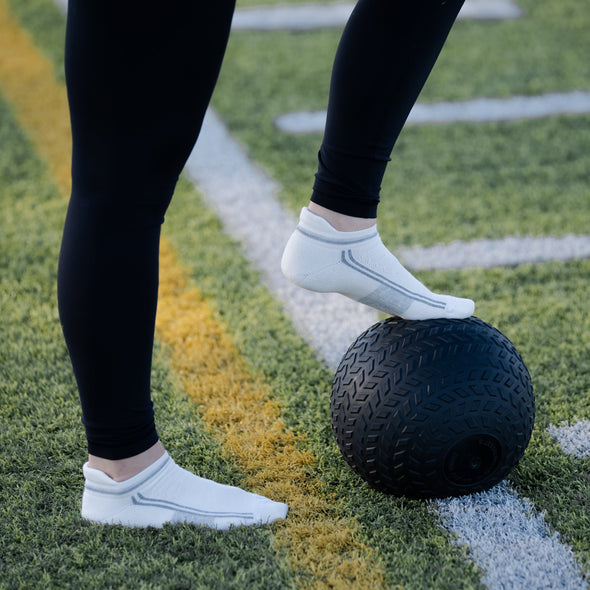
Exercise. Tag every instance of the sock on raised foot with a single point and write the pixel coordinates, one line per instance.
(166, 493)
(357, 264)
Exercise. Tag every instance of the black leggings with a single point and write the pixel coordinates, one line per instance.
(140, 76)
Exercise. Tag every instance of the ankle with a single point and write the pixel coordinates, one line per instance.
(340, 221)
(123, 469)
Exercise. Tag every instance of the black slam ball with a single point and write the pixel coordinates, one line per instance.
(433, 408)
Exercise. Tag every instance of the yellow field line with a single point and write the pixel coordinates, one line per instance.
(39, 102)
(324, 550)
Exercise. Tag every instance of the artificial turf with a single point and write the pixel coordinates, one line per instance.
(494, 180)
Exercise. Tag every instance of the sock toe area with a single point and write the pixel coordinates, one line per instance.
(455, 308)
(459, 308)
(269, 510)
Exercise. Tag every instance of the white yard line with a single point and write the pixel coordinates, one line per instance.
(508, 251)
(244, 198)
(477, 110)
(510, 541)
(574, 438)
(298, 17)
(490, 523)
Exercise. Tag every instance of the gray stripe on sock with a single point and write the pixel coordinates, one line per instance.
(141, 500)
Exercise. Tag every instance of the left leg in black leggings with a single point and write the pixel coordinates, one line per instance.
(139, 75)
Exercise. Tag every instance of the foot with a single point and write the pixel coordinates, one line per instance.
(320, 258)
(166, 493)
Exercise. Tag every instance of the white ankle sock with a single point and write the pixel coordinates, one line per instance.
(164, 492)
(358, 265)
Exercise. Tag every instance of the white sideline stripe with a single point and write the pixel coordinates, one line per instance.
(510, 541)
(323, 16)
(244, 198)
(574, 438)
(509, 251)
(477, 110)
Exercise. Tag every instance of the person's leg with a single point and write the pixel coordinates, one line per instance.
(386, 53)
(139, 76)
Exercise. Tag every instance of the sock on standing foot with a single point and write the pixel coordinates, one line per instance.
(357, 264)
(166, 493)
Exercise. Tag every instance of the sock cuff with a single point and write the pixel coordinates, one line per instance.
(315, 226)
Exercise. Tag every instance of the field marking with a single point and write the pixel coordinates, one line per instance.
(511, 541)
(321, 16)
(244, 197)
(26, 76)
(477, 110)
(302, 17)
(508, 251)
(320, 545)
(573, 438)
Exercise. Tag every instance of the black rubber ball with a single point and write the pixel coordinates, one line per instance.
(432, 408)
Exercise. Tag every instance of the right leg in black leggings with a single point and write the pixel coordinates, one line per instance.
(384, 58)
(140, 74)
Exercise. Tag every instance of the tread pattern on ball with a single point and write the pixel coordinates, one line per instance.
(406, 392)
